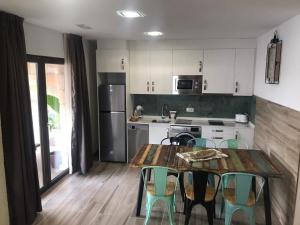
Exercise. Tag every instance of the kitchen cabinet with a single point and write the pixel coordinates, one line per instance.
(139, 72)
(217, 133)
(151, 72)
(244, 72)
(157, 132)
(187, 62)
(245, 134)
(161, 72)
(218, 71)
(112, 60)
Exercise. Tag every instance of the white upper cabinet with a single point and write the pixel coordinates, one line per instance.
(112, 60)
(187, 62)
(244, 72)
(139, 72)
(151, 72)
(218, 71)
(161, 71)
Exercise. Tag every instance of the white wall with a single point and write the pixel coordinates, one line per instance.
(4, 217)
(287, 92)
(43, 41)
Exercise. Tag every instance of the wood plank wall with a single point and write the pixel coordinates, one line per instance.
(277, 132)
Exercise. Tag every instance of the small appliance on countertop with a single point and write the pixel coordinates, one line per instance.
(241, 118)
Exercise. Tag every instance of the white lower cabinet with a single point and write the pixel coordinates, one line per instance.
(245, 134)
(157, 132)
(217, 133)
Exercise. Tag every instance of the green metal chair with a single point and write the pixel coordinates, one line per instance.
(241, 197)
(230, 144)
(201, 143)
(161, 189)
(233, 144)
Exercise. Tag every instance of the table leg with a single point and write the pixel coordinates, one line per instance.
(267, 202)
(140, 194)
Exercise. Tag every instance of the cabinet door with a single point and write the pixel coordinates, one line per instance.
(161, 72)
(157, 132)
(244, 72)
(245, 134)
(112, 60)
(218, 71)
(139, 72)
(187, 62)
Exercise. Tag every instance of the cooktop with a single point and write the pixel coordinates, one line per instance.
(216, 122)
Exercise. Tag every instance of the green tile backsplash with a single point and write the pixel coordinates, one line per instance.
(218, 106)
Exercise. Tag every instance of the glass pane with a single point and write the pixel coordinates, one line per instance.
(32, 77)
(56, 105)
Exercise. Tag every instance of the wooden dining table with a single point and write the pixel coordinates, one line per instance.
(241, 160)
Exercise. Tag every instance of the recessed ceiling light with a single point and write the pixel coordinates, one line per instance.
(153, 33)
(83, 26)
(130, 13)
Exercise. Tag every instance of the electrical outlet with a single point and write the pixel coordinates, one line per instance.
(190, 109)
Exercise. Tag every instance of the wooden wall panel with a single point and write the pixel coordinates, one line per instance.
(277, 132)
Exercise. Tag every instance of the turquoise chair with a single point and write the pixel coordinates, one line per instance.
(233, 144)
(230, 144)
(160, 189)
(241, 197)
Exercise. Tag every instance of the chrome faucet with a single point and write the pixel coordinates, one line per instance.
(163, 108)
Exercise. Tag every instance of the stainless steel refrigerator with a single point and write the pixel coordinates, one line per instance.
(112, 122)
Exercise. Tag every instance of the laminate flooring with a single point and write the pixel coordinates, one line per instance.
(107, 196)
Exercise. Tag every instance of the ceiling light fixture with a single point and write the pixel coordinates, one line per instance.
(130, 13)
(84, 26)
(154, 33)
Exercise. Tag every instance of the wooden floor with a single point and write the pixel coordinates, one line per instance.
(108, 196)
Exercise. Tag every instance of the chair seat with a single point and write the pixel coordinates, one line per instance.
(170, 189)
(229, 195)
(209, 194)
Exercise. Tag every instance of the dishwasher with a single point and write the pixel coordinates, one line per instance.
(138, 135)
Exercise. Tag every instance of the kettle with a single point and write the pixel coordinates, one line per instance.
(241, 118)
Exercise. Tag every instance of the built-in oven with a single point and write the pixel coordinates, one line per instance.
(187, 85)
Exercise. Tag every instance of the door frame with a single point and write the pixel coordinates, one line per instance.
(43, 118)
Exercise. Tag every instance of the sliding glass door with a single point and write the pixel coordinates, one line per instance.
(49, 113)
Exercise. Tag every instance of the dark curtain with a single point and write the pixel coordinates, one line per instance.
(18, 139)
(81, 149)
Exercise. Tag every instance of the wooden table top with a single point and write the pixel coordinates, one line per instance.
(247, 161)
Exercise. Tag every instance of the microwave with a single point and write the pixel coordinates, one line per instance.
(187, 85)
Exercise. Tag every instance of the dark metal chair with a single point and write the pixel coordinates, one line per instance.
(201, 193)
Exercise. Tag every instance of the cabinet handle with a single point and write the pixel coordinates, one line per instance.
(152, 82)
(236, 135)
(122, 64)
(148, 88)
(218, 131)
(205, 85)
(217, 138)
(152, 88)
(200, 66)
(236, 87)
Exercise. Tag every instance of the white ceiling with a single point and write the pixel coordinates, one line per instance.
(178, 19)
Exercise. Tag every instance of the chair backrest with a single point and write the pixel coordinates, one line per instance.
(233, 144)
(201, 142)
(200, 179)
(243, 185)
(160, 175)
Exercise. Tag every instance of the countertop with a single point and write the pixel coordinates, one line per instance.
(196, 121)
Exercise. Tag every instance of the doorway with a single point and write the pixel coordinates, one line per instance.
(46, 77)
